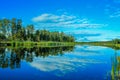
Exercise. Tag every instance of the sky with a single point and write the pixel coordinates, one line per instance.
(86, 20)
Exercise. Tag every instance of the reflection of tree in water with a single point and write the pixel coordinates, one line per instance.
(12, 57)
(9, 58)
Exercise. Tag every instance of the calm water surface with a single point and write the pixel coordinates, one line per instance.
(60, 63)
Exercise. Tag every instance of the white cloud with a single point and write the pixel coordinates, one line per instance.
(48, 18)
(64, 21)
(112, 10)
(70, 24)
(115, 14)
(95, 35)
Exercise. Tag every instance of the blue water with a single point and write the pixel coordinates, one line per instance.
(80, 63)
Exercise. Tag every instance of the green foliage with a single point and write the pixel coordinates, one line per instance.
(116, 41)
(2, 37)
(14, 30)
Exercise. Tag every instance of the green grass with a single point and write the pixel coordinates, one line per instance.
(109, 44)
(56, 44)
(35, 44)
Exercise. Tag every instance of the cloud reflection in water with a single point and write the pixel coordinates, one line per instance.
(69, 62)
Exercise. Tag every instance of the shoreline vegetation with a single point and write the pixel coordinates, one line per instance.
(114, 44)
(14, 34)
(30, 44)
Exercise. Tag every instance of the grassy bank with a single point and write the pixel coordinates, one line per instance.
(56, 44)
(101, 43)
(37, 44)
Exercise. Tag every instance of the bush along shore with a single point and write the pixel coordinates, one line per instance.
(36, 44)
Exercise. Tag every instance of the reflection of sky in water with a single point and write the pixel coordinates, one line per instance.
(85, 62)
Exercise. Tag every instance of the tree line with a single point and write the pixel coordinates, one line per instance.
(116, 41)
(14, 30)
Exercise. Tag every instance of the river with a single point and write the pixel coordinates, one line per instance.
(80, 62)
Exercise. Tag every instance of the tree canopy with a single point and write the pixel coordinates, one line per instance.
(14, 30)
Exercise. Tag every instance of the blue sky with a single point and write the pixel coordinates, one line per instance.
(87, 20)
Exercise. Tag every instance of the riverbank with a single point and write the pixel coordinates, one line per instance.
(101, 43)
(36, 44)
(57, 44)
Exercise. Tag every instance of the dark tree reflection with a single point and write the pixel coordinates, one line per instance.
(12, 57)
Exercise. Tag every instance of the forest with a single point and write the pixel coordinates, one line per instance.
(13, 30)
